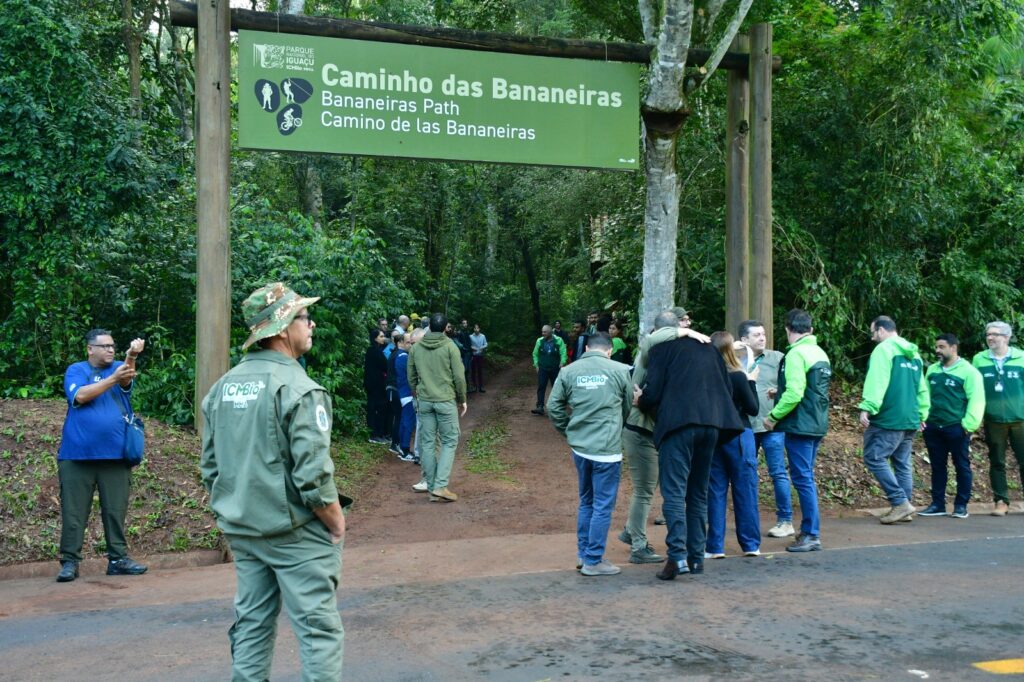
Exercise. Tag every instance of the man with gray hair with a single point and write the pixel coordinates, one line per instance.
(638, 444)
(1002, 369)
(549, 356)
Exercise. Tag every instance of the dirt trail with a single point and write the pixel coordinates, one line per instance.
(537, 495)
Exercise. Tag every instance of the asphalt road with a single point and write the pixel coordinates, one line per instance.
(942, 595)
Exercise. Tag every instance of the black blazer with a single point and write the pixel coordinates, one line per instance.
(688, 385)
(375, 370)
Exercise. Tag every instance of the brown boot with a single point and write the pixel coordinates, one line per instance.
(443, 495)
(1000, 509)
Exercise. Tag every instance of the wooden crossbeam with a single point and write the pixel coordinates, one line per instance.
(185, 14)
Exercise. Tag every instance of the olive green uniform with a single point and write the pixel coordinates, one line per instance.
(266, 464)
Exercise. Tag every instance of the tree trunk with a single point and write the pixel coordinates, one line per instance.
(133, 45)
(182, 94)
(491, 252)
(531, 279)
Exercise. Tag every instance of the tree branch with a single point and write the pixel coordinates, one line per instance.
(723, 45)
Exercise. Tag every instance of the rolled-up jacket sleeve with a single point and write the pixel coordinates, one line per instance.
(309, 436)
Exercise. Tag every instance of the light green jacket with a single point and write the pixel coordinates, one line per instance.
(266, 447)
(636, 416)
(599, 392)
(895, 392)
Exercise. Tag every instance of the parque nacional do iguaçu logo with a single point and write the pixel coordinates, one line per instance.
(286, 97)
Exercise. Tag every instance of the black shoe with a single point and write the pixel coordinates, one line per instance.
(669, 571)
(625, 537)
(482, 390)
(538, 410)
(660, 521)
(125, 566)
(696, 567)
(805, 543)
(933, 510)
(959, 512)
(68, 571)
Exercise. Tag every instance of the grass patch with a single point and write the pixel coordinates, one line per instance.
(354, 460)
(482, 446)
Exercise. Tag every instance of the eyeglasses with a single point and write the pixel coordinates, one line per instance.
(104, 346)
(305, 318)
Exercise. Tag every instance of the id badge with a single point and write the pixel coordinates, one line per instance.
(999, 387)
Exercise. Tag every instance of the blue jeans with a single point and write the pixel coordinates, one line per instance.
(734, 462)
(773, 443)
(684, 466)
(599, 486)
(944, 442)
(883, 445)
(802, 451)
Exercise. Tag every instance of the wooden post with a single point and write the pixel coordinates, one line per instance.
(213, 236)
(737, 216)
(761, 176)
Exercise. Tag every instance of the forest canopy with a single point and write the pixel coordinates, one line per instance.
(898, 189)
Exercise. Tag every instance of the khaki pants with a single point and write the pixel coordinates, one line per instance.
(642, 457)
(302, 568)
(438, 420)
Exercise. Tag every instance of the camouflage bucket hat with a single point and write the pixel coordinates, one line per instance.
(270, 309)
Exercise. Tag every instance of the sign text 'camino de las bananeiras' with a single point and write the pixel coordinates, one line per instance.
(303, 93)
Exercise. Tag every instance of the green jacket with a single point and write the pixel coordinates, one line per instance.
(958, 395)
(895, 392)
(549, 360)
(801, 406)
(637, 417)
(436, 372)
(1006, 405)
(600, 393)
(266, 459)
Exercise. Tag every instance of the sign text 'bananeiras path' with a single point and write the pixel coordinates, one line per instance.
(303, 93)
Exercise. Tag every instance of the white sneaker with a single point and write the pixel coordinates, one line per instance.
(782, 529)
(753, 552)
(420, 487)
(714, 555)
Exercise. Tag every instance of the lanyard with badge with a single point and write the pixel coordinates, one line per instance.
(998, 362)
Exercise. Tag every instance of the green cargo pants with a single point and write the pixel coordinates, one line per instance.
(996, 436)
(78, 481)
(643, 470)
(438, 420)
(304, 568)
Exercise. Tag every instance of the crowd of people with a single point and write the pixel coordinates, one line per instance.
(689, 413)
(752, 399)
(417, 376)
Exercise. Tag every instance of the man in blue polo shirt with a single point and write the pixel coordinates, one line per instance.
(91, 453)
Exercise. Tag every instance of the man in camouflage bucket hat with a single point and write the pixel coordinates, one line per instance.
(266, 464)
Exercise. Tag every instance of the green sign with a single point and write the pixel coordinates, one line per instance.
(302, 93)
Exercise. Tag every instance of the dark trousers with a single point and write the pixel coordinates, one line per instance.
(476, 371)
(78, 480)
(684, 466)
(394, 416)
(545, 378)
(996, 436)
(377, 414)
(945, 442)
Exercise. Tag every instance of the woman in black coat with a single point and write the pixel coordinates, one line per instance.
(735, 463)
(375, 381)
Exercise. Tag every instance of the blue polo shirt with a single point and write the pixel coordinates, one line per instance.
(94, 430)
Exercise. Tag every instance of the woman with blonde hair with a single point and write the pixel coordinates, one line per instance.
(735, 463)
